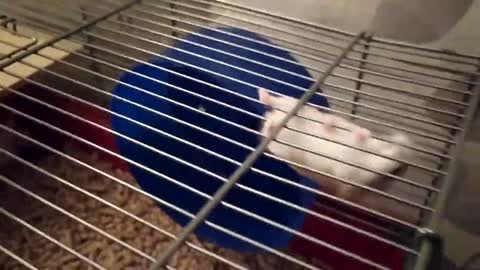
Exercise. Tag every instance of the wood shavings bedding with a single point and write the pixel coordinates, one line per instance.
(45, 255)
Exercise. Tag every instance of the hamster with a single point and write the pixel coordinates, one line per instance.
(332, 128)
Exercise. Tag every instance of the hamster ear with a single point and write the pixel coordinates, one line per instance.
(264, 96)
(361, 134)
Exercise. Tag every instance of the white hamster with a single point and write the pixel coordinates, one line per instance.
(333, 129)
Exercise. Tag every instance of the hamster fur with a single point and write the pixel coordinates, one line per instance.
(331, 129)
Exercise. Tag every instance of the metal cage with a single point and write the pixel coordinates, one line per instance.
(75, 53)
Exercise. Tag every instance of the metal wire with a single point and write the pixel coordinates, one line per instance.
(19, 49)
(434, 221)
(177, 120)
(102, 25)
(248, 163)
(293, 43)
(266, 65)
(97, 198)
(357, 219)
(316, 59)
(269, 66)
(243, 187)
(369, 120)
(6, 21)
(65, 35)
(44, 235)
(165, 203)
(227, 89)
(328, 31)
(245, 212)
(15, 48)
(18, 259)
(283, 20)
(423, 134)
(312, 68)
(258, 193)
(227, 33)
(407, 181)
(73, 52)
(70, 215)
(223, 89)
(255, 100)
(61, 76)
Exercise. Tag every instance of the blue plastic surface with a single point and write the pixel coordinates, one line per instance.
(182, 198)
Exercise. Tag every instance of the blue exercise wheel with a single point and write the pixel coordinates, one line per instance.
(205, 80)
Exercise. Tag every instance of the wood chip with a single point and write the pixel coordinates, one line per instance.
(91, 244)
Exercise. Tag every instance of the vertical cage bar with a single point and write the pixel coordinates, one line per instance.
(173, 22)
(428, 221)
(427, 248)
(67, 34)
(235, 177)
(10, 25)
(91, 51)
(361, 67)
(431, 198)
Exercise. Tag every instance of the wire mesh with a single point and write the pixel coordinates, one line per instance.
(11, 48)
(385, 86)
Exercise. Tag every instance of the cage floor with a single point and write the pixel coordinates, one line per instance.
(46, 255)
